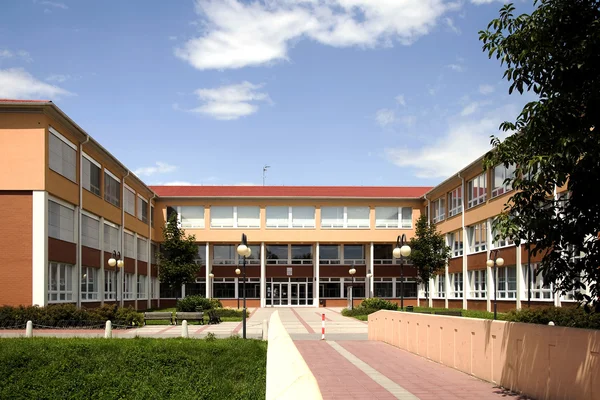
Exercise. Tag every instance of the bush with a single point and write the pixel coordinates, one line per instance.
(358, 311)
(128, 316)
(378, 304)
(230, 312)
(191, 303)
(561, 316)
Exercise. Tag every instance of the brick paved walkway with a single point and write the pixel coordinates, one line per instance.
(391, 373)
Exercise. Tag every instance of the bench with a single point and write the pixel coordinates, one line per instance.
(189, 316)
(158, 316)
(213, 317)
(450, 313)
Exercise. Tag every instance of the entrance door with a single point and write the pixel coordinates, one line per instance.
(302, 294)
(294, 294)
(284, 295)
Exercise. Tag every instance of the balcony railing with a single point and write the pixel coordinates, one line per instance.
(290, 262)
(386, 261)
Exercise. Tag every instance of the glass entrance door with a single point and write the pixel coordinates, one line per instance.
(289, 293)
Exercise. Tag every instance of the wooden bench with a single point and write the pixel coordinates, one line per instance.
(450, 313)
(158, 316)
(189, 316)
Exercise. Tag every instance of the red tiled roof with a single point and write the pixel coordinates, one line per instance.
(378, 192)
(23, 101)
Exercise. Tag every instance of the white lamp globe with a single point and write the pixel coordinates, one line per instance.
(211, 275)
(112, 262)
(369, 275)
(396, 253)
(237, 271)
(500, 261)
(352, 271)
(242, 249)
(489, 263)
(405, 250)
(248, 251)
(120, 263)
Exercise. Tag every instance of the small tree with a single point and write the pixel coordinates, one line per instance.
(176, 265)
(429, 253)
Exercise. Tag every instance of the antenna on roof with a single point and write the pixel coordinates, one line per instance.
(265, 172)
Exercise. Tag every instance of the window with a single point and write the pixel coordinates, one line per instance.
(128, 286)
(60, 282)
(252, 288)
(540, 289)
(221, 217)
(61, 224)
(277, 254)
(501, 242)
(142, 210)
(303, 217)
(278, 217)
(455, 202)
(440, 286)
(196, 289)
(112, 189)
(129, 201)
(141, 286)
(109, 285)
(393, 217)
(501, 173)
(358, 287)
(456, 284)
(224, 254)
(329, 254)
(142, 249)
(192, 217)
(90, 232)
(478, 237)
(382, 254)
(248, 217)
(330, 288)
(383, 287)
(224, 288)
(129, 245)
(152, 217)
(455, 241)
(439, 210)
(91, 175)
(170, 212)
(354, 254)
(507, 282)
(89, 283)
(478, 281)
(153, 251)
(166, 292)
(111, 238)
(477, 190)
(345, 217)
(62, 155)
(409, 287)
(154, 288)
(302, 254)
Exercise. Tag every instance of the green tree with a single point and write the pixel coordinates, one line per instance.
(554, 52)
(176, 265)
(429, 253)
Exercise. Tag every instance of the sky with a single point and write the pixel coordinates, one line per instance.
(324, 92)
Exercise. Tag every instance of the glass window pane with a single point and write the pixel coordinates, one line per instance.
(277, 217)
(329, 252)
(303, 217)
(224, 254)
(406, 217)
(358, 217)
(221, 217)
(386, 217)
(332, 217)
(277, 252)
(192, 217)
(353, 252)
(248, 217)
(301, 252)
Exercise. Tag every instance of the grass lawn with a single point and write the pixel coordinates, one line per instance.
(465, 313)
(78, 368)
(232, 318)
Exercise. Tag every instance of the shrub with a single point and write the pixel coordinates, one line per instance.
(67, 315)
(128, 316)
(358, 311)
(230, 312)
(378, 304)
(561, 316)
(191, 303)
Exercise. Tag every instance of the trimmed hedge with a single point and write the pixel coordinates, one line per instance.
(68, 314)
(369, 306)
(191, 303)
(561, 316)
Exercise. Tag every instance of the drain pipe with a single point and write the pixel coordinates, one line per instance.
(79, 224)
(465, 242)
(123, 238)
(149, 256)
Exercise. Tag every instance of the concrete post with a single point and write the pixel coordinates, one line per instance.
(184, 329)
(265, 329)
(29, 329)
(108, 330)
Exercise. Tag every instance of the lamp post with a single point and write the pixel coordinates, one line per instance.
(244, 251)
(116, 260)
(238, 272)
(401, 251)
(495, 262)
(368, 288)
(352, 271)
(209, 283)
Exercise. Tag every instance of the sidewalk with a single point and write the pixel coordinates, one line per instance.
(376, 370)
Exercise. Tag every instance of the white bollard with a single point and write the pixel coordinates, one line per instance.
(108, 330)
(29, 329)
(184, 329)
(551, 323)
(265, 329)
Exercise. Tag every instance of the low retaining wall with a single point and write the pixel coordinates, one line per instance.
(544, 362)
(288, 376)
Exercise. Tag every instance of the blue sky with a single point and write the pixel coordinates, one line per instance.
(326, 92)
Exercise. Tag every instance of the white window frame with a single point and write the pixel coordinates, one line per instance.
(344, 222)
(142, 216)
(109, 285)
(247, 222)
(129, 200)
(456, 285)
(142, 255)
(141, 286)
(290, 222)
(502, 275)
(391, 223)
(114, 199)
(540, 290)
(502, 187)
(455, 205)
(87, 176)
(87, 240)
(68, 291)
(481, 180)
(68, 167)
(478, 284)
(89, 275)
(66, 230)
(477, 237)
(458, 250)
(128, 251)
(439, 209)
(440, 286)
(302, 222)
(190, 223)
(112, 246)
(128, 286)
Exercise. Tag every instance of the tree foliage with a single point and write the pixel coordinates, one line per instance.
(176, 258)
(429, 253)
(553, 52)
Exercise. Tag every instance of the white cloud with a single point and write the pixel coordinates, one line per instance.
(469, 109)
(158, 168)
(486, 89)
(54, 4)
(239, 34)
(58, 78)
(175, 183)
(464, 141)
(5, 53)
(385, 117)
(456, 67)
(230, 102)
(16, 83)
(400, 100)
(172, 37)
(479, 2)
(408, 120)
(451, 25)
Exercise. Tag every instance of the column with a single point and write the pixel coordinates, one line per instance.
(372, 265)
(135, 275)
(431, 284)
(317, 272)
(39, 243)
(77, 286)
(263, 275)
(489, 275)
(101, 278)
(520, 281)
(208, 269)
(465, 264)
(446, 285)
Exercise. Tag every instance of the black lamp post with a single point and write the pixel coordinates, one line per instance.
(495, 262)
(352, 271)
(244, 251)
(116, 260)
(401, 251)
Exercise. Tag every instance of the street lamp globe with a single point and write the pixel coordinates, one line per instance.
(500, 261)
(352, 271)
(490, 263)
(405, 250)
(397, 252)
(112, 262)
(120, 263)
(242, 249)
(248, 251)
(211, 275)
(369, 275)
(237, 271)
